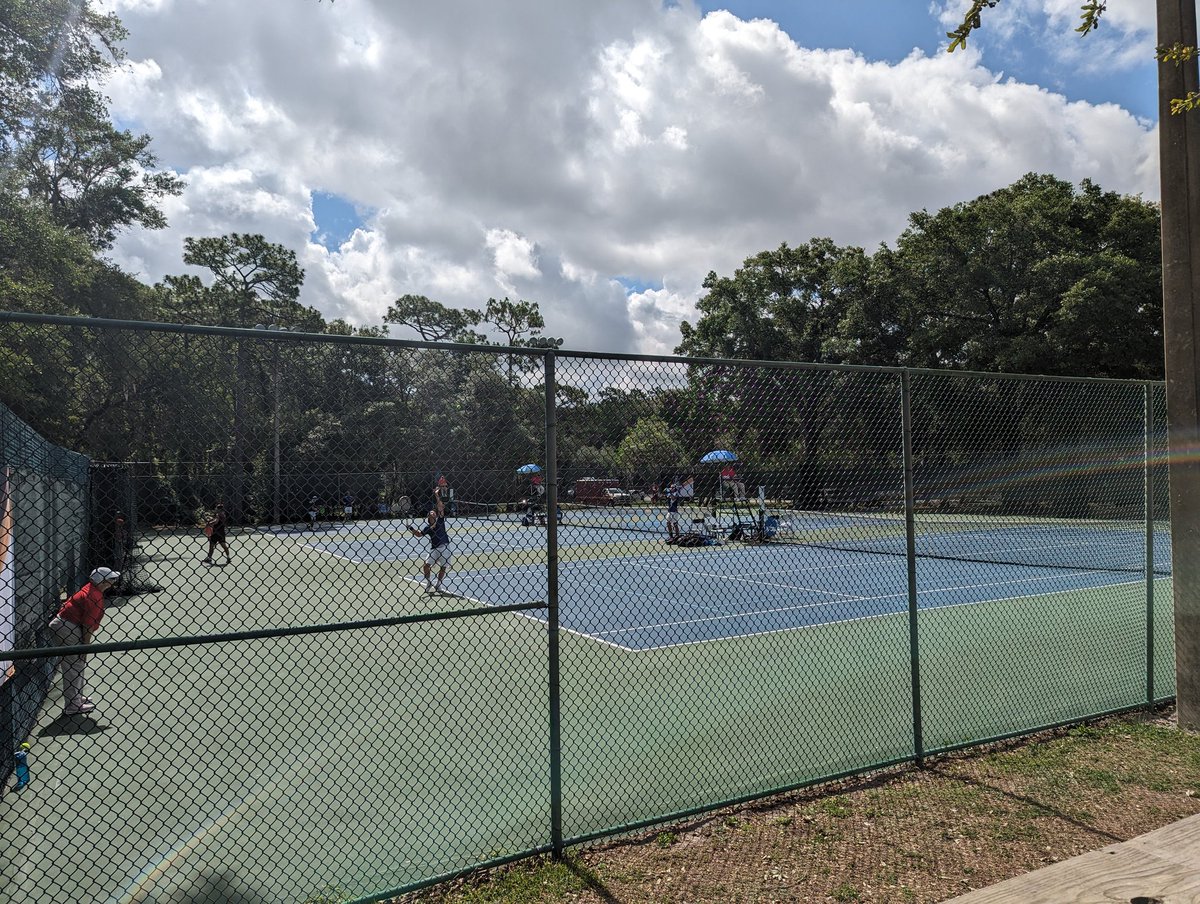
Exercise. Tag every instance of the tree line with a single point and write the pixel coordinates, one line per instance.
(1038, 277)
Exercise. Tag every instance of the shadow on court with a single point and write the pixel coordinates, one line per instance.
(73, 725)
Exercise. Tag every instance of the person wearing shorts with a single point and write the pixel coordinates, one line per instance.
(439, 543)
(672, 513)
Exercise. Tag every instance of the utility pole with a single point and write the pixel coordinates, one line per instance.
(275, 414)
(1179, 144)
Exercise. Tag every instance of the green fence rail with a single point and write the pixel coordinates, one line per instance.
(670, 585)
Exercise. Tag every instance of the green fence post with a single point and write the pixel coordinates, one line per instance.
(914, 650)
(556, 837)
(1149, 490)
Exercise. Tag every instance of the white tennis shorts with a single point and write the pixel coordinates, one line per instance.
(348, 509)
(439, 555)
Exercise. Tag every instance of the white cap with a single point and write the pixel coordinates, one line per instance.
(100, 575)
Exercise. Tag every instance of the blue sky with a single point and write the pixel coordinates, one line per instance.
(336, 219)
(888, 30)
(601, 158)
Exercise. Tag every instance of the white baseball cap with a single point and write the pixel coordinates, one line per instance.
(100, 575)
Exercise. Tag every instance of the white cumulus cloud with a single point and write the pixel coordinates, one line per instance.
(544, 150)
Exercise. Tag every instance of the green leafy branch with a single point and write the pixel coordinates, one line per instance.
(1092, 11)
(1179, 54)
(971, 21)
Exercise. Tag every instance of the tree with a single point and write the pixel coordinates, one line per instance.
(43, 267)
(972, 19)
(93, 177)
(50, 46)
(1037, 277)
(648, 449)
(780, 305)
(254, 281)
(55, 134)
(514, 319)
(433, 321)
(521, 324)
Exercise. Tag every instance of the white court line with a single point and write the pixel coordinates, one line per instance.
(656, 562)
(326, 552)
(728, 616)
(746, 580)
(864, 618)
(848, 600)
(529, 615)
(845, 601)
(723, 555)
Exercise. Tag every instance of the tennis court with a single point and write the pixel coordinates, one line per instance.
(651, 602)
(821, 568)
(305, 723)
(495, 532)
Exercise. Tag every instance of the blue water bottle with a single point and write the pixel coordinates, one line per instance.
(22, 767)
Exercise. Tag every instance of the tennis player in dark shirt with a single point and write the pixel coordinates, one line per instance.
(672, 512)
(439, 543)
(216, 534)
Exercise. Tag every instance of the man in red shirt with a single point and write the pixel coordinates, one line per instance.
(76, 623)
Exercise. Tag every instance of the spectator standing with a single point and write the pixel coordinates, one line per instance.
(76, 624)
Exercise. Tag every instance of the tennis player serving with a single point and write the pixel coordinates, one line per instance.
(439, 542)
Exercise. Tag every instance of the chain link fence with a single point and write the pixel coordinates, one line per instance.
(664, 585)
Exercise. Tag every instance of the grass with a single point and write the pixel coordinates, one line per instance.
(907, 836)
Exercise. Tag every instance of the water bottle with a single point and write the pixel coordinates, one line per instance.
(22, 767)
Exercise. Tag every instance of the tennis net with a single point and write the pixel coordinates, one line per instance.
(480, 510)
(1067, 543)
(1077, 544)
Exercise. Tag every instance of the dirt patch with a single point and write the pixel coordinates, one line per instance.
(913, 835)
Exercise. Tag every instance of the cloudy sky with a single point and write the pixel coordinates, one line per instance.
(600, 158)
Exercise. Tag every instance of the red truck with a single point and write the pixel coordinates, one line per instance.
(591, 490)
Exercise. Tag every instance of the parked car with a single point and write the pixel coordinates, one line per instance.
(617, 496)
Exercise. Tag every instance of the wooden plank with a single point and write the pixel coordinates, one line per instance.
(1160, 866)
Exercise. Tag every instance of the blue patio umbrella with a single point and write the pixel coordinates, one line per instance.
(529, 469)
(718, 455)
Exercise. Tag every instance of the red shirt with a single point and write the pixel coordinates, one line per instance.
(85, 608)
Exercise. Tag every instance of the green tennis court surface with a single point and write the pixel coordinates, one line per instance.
(206, 769)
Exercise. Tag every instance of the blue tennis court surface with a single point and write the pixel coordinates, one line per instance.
(389, 541)
(690, 596)
(1082, 544)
